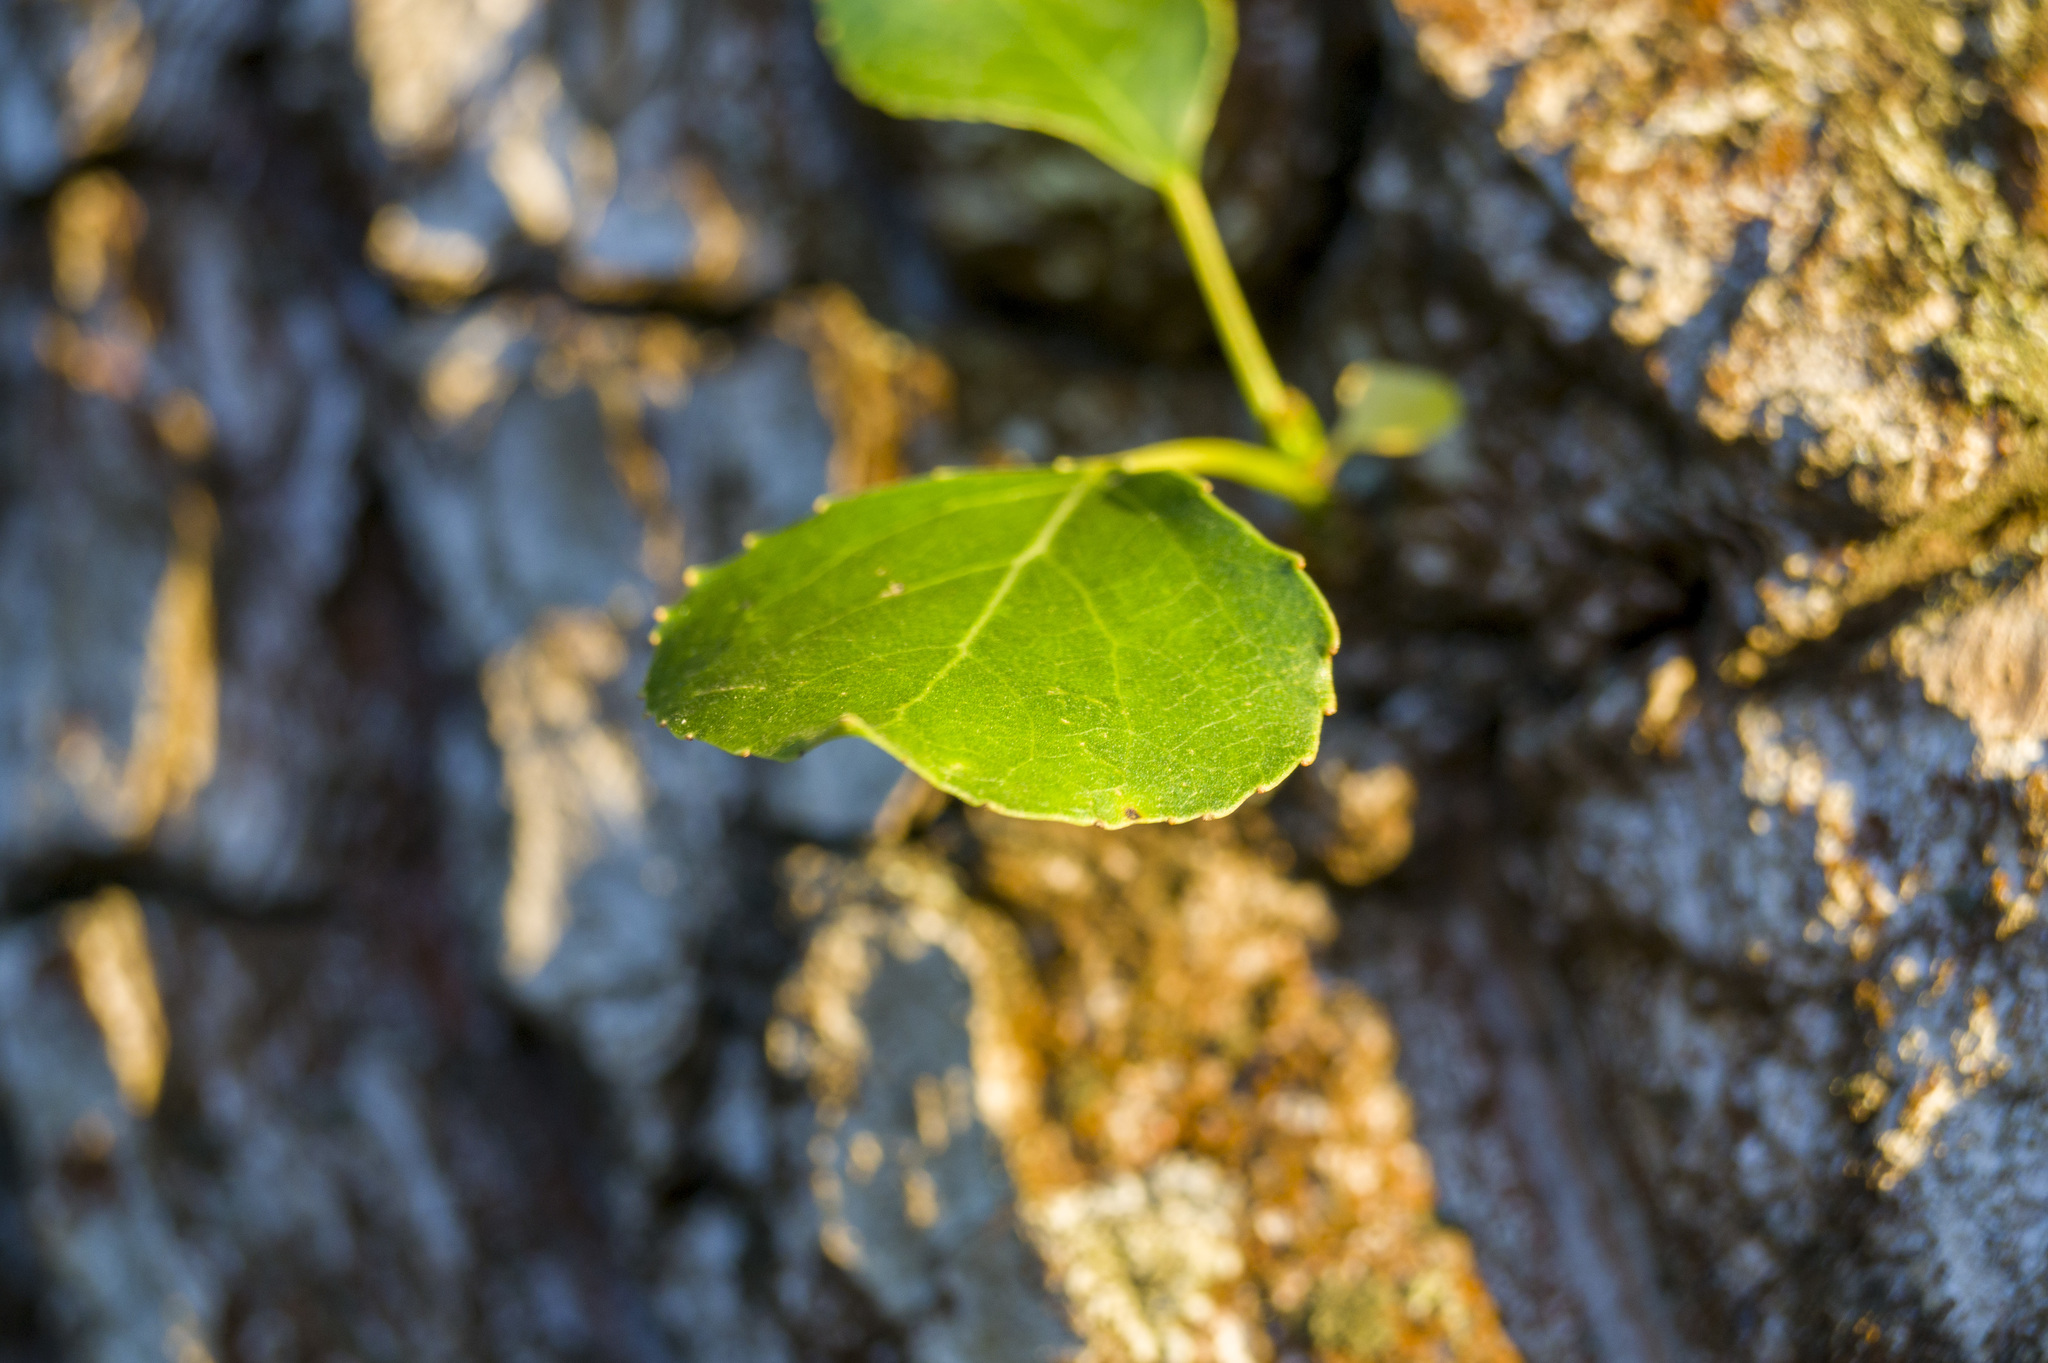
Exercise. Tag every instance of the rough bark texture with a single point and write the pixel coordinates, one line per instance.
(376, 983)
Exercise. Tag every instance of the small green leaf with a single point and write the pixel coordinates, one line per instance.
(1134, 81)
(1393, 409)
(1081, 644)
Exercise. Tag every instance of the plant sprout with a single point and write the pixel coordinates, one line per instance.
(1099, 641)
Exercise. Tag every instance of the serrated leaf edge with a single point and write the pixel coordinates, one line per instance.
(854, 726)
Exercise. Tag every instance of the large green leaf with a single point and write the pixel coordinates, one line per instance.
(1134, 81)
(1079, 644)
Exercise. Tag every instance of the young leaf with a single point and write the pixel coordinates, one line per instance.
(1134, 81)
(1083, 644)
(1392, 409)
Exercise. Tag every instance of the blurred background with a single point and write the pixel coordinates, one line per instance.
(1646, 971)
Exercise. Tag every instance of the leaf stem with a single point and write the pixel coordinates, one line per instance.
(1290, 419)
(1252, 465)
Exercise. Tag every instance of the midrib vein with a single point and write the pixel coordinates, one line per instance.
(1040, 542)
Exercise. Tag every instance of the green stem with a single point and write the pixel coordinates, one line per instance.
(1290, 418)
(1253, 465)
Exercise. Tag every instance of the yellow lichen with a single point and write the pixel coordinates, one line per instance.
(535, 184)
(106, 76)
(1832, 134)
(1822, 124)
(1975, 1059)
(100, 340)
(1668, 707)
(435, 264)
(94, 225)
(1859, 900)
(628, 364)
(1205, 1138)
(422, 58)
(183, 424)
(568, 776)
(173, 739)
(1986, 658)
(873, 385)
(720, 237)
(109, 946)
(1375, 824)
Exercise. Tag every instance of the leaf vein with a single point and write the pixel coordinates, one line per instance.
(1032, 551)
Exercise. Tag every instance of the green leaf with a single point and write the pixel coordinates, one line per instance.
(1134, 81)
(1393, 409)
(1080, 644)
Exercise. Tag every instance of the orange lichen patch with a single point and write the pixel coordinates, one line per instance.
(1207, 1141)
(108, 942)
(570, 779)
(99, 340)
(534, 181)
(2004, 517)
(1975, 1060)
(111, 362)
(422, 58)
(1823, 125)
(174, 735)
(183, 424)
(2022, 38)
(94, 225)
(1865, 1094)
(1375, 823)
(1669, 707)
(627, 363)
(106, 76)
(721, 232)
(1859, 900)
(718, 235)
(1986, 658)
(630, 362)
(1360, 820)
(433, 264)
(874, 386)
(2018, 896)
(1898, 332)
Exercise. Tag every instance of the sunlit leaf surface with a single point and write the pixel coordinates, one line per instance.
(1085, 645)
(1134, 81)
